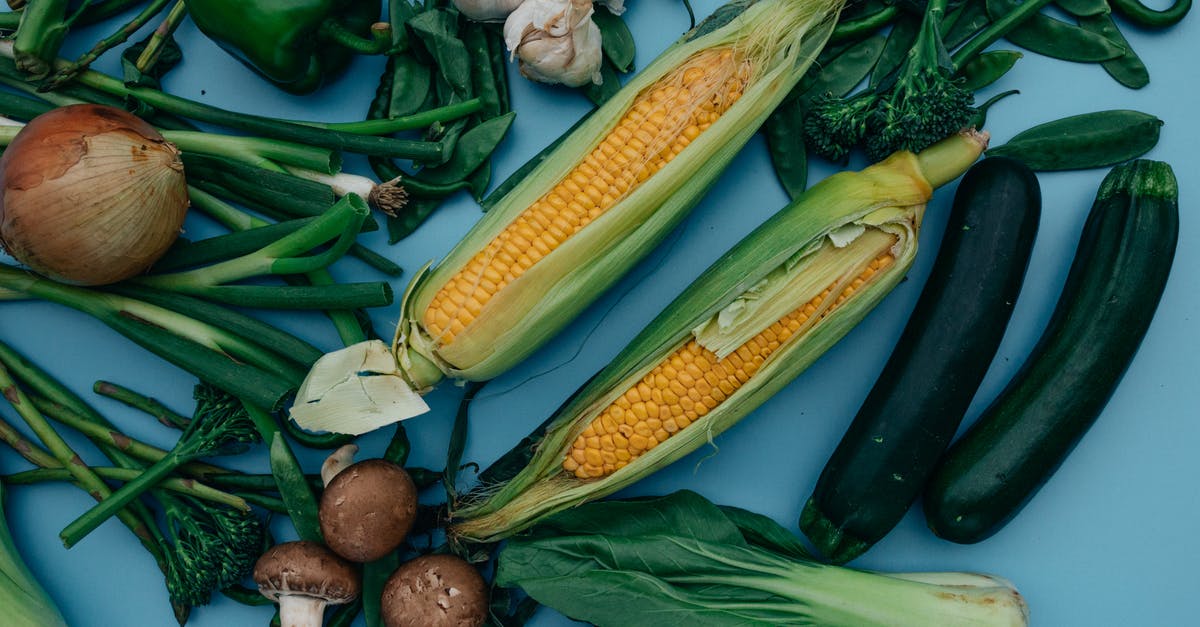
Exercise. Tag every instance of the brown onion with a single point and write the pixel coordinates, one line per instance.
(90, 195)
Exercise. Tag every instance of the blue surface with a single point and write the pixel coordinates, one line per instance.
(1112, 539)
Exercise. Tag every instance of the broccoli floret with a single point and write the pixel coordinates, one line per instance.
(920, 106)
(835, 125)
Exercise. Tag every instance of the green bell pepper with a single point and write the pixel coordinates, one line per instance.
(295, 44)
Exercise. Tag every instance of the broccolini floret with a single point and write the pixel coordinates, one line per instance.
(917, 107)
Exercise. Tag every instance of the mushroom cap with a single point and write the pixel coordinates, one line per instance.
(435, 591)
(367, 509)
(306, 568)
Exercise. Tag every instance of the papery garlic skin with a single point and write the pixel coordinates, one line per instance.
(556, 41)
(488, 10)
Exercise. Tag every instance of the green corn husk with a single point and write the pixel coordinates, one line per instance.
(22, 600)
(772, 270)
(779, 38)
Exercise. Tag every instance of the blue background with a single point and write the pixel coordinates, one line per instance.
(1112, 539)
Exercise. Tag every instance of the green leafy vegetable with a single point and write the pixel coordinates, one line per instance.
(617, 562)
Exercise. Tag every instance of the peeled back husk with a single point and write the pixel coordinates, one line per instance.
(820, 239)
(778, 40)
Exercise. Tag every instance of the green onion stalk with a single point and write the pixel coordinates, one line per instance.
(365, 137)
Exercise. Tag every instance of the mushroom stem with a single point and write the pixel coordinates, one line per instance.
(297, 610)
(337, 461)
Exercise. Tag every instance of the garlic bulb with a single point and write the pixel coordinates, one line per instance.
(556, 41)
(90, 195)
(487, 10)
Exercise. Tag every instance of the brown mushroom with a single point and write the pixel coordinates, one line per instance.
(304, 577)
(435, 591)
(367, 508)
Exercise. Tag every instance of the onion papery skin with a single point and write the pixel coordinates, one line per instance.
(90, 195)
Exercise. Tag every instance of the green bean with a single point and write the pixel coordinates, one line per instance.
(899, 41)
(785, 143)
(1143, 15)
(987, 68)
(294, 490)
(1055, 38)
(972, 19)
(616, 40)
(1083, 8)
(1090, 140)
(609, 85)
(471, 151)
(1127, 70)
(980, 117)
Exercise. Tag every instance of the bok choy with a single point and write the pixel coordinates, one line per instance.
(682, 558)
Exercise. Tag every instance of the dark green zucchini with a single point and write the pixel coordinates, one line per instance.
(1111, 292)
(916, 405)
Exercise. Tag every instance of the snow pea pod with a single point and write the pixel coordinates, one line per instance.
(1128, 69)
(865, 25)
(481, 69)
(1055, 38)
(987, 68)
(1090, 140)
(1143, 15)
(472, 149)
(294, 490)
(498, 53)
(784, 130)
(411, 81)
(846, 71)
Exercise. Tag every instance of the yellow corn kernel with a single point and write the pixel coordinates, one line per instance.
(663, 120)
(681, 375)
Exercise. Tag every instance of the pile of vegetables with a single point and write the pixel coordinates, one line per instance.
(99, 176)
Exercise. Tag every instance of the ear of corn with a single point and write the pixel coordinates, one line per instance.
(602, 200)
(754, 321)
(611, 191)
